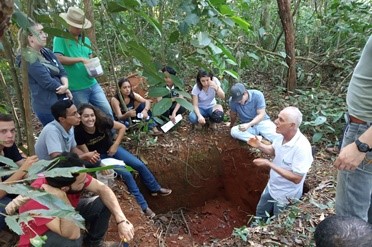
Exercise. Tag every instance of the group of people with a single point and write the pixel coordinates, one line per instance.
(79, 123)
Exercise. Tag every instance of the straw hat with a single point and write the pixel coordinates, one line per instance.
(75, 17)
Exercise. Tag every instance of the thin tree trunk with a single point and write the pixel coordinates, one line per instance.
(287, 22)
(16, 83)
(91, 32)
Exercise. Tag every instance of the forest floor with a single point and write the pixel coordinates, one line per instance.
(215, 190)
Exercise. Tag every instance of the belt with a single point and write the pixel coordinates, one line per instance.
(356, 120)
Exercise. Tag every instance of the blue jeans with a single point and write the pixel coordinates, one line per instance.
(354, 188)
(95, 96)
(265, 128)
(268, 204)
(3, 202)
(44, 118)
(146, 176)
(206, 113)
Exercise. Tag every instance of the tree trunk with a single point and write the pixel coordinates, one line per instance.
(91, 32)
(287, 22)
(22, 95)
(265, 23)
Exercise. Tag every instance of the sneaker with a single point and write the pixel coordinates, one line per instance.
(149, 213)
(162, 192)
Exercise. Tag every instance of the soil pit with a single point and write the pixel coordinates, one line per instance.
(215, 185)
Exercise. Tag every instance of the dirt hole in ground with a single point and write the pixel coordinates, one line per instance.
(215, 185)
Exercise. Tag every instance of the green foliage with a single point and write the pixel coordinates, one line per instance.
(241, 232)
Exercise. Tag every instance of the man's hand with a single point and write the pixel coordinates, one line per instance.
(126, 231)
(349, 158)
(244, 127)
(261, 162)
(254, 142)
(28, 162)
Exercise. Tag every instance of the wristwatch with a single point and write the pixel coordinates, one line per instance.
(362, 147)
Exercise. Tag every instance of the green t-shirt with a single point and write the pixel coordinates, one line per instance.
(78, 77)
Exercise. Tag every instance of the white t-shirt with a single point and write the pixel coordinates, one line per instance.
(206, 99)
(294, 156)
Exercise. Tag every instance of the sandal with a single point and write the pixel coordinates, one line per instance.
(162, 192)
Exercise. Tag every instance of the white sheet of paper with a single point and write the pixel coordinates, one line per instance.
(170, 124)
(112, 161)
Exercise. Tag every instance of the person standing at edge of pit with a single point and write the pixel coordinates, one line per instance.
(204, 94)
(46, 75)
(292, 160)
(249, 106)
(354, 163)
(73, 54)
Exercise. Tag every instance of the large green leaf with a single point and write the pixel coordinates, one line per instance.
(153, 22)
(316, 137)
(185, 104)
(162, 106)
(226, 10)
(114, 7)
(242, 23)
(202, 40)
(192, 19)
(184, 94)
(158, 91)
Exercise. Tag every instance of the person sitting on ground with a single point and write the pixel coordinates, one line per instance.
(46, 76)
(204, 94)
(74, 54)
(9, 149)
(249, 106)
(175, 108)
(58, 136)
(96, 210)
(93, 134)
(343, 231)
(292, 160)
(138, 108)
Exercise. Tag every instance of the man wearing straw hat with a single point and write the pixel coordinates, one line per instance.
(74, 54)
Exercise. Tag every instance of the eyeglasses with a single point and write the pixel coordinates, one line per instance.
(75, 114)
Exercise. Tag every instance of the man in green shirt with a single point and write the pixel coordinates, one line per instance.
(73, 54)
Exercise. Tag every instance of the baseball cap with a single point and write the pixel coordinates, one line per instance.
(237, 91)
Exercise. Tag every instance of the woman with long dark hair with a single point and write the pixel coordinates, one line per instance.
(94, 133)
(204, 94)
(138, 108)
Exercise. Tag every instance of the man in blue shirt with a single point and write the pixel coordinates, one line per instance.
(249, 106)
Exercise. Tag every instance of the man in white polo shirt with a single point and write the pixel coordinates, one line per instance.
(292, 160)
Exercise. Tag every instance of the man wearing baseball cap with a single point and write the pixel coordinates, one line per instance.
(249, 106)
(73, 54)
